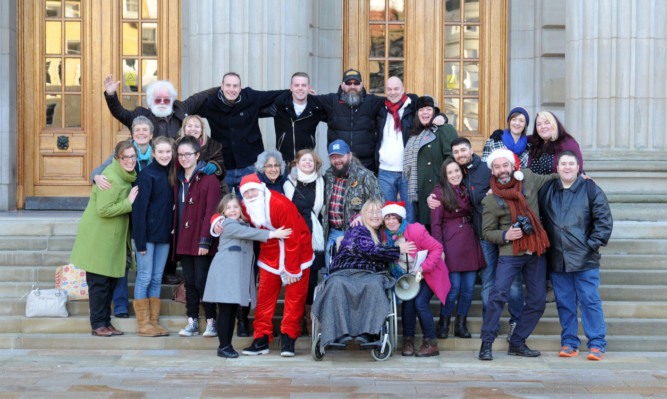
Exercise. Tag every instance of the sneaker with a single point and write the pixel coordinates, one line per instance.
(259, 346)
(287, 346)
(511, 331)
(595, 354)
(566, 351)
(210, 329)
(191, 329)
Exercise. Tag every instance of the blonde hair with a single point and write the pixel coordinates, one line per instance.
(552, 121)
(205, 130)
(225, 201)
(373, 202)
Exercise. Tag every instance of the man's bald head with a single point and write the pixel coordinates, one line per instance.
(394, 89)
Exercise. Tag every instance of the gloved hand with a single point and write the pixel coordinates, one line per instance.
(210, 168)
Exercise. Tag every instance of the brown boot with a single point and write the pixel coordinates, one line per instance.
(155, 315)
(144, 327)
(408, 346)
(429, 348)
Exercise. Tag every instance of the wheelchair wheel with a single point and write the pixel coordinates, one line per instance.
(380, 356)
(393, 323)
(315, 349)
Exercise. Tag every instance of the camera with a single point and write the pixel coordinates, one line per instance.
(523, 223)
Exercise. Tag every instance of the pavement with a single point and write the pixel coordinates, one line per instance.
(341, 374)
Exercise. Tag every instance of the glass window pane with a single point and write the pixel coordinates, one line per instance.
(377, 41)
(149, 9)
(72, 74)
(53, 110)
(471, 42)
(452, 111)
(73, 9)
(53, 37)
(130, 102)
(396, 69)
(130, 75)
(453, 74)
(149, 39)
(53, 9)
(149, 73)
(53, 74)
(377, 10)
(452, 41)
(73, 110)
(73, 37)
(396, 35)
(130, 38)
(471, 78)
(130, 9)
(470, 114)
(376, 75)
(397, 10)
(143, 101)
(471, 11)
(453, 10)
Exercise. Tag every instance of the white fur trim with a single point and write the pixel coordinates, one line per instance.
(247, 186)
(518, 175)
(500, 153)
(216, 220)
(393, 208)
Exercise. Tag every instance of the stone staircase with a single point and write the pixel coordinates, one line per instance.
(33, 244)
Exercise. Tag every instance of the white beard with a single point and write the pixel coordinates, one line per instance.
(162, 111)
(256, 210)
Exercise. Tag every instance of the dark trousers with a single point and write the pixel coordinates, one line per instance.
(195, 270)
(225, 323)
(534, 269)
(100, 292)
(418, 307)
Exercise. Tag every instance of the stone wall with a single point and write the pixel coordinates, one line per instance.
(8, 105)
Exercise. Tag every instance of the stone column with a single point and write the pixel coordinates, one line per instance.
(8, 133)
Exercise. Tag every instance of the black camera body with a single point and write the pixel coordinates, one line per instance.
(524, 224)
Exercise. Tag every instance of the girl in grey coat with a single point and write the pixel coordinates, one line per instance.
(231, 280)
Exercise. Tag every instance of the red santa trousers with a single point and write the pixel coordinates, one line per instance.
(267, 296)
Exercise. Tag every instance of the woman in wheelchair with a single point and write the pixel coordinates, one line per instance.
(416, 293)
(351, 303)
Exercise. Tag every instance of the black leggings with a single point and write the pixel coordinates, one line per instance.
(225, 323)
(195, 270)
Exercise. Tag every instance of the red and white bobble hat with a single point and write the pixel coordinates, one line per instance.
(397, 208)
(510, 156)
(250, 181)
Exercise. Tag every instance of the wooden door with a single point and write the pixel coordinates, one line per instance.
(66, 48)
(454, 50)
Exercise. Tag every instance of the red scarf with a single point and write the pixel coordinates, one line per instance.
(538, 242)
(394, 108)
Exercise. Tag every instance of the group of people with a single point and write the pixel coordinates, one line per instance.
(195, 184)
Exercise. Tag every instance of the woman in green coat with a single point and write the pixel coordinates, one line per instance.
(103, 238)
(426, 149)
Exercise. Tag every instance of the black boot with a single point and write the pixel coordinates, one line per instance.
(460, 328)
(443, 326)
(242, 325)
(485, 351)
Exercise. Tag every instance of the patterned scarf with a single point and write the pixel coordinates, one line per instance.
(517, 147)
(390, 237)
(394, 108)
(538, 242)
(145, 157)
(410, 153)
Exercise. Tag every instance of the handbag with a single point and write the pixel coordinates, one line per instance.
(179, 295)
(46, 303)
(71, 279)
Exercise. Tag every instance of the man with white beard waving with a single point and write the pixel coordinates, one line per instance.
(282, 263)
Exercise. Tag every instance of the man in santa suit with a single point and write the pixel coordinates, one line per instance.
(281, 262)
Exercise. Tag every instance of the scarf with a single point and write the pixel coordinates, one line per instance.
(517, 147)
(145, 157)
(394, 108)
(410, 154)
(290, 189)
(390, 237)
(537, 242)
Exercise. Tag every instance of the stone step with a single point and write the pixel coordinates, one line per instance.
(638, 211)
(633, 262)
(625, 229)
(39, 224)
(635, 246)
(35, 258)
(633, 277)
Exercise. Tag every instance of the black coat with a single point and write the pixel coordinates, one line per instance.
(576, 224)
(153, 209)
(477, 177)
(235, 126)
(407, 120)
(294, 133)
(354, 125)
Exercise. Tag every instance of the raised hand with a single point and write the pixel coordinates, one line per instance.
(109, 85)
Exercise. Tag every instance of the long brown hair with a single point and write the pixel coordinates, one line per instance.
(538, 146)
(449, 200)
(175, 166)
(316, 159)
(225, 201)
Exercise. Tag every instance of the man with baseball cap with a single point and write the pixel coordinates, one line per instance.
(347, 186)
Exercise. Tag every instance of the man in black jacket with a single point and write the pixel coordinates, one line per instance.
(578, 221)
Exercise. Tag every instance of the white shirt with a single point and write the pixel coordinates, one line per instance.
(391, 150)
(298, 108)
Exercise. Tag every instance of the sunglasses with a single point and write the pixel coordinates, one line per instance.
(352, 83)
(165, 101)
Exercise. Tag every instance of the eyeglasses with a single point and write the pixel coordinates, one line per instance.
(352, 83)
(186, 155)
(165, 101)
(375, 213)
(130, 158)
(272, 166)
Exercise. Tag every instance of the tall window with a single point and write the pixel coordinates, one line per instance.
(462, 64)
(387, 47)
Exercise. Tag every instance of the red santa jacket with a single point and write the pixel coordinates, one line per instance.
(292, 255)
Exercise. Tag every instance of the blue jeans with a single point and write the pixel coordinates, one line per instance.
(234, 176)
(149, 270)
(331, 243)
(120, 300)
(420, 306)
(534, 269)
(463, 287)
(580, 288)
(515, 303)
(392, 185)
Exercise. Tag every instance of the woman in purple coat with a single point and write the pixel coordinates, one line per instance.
(549, 139)
(451, 224)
